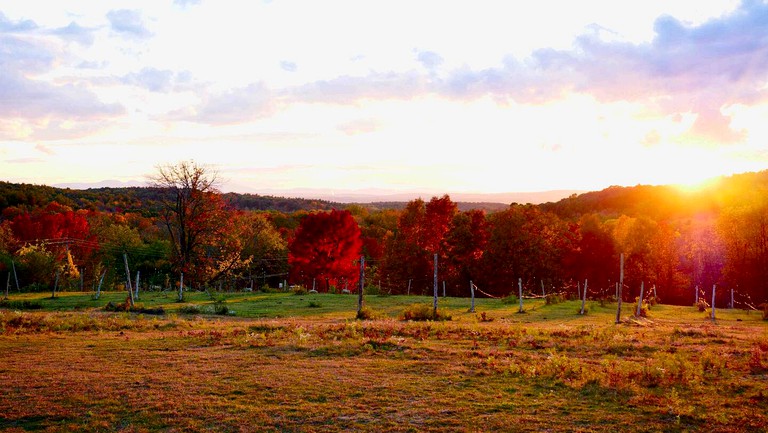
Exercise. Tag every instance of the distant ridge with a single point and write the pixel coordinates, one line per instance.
(378, 196)
(358, 196)
(110, 183)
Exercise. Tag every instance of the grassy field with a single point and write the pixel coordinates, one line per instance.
(302, 363)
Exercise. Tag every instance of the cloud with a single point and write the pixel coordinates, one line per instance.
(25, 160)
(288, 66)
(698, 69)
(154, 80)
(30, 105)
(430, 60)
(128, 23)
(348, 89)
(360, 126)
(75, 33)
(44, 149)
(8, 26)
(186, 3)
(234, 106)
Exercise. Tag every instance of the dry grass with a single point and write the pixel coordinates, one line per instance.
(546, 370)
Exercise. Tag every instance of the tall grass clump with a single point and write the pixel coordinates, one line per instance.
(423, 312)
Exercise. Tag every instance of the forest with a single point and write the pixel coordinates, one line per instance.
(676, 242)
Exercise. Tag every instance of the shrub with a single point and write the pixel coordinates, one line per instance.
(300, 290)
(422, 312)
(702, 305)
(314, 304)
(483, 317)
(553, 299)
(21, 305)
(365, 313)
(190, 309)
(137, 308)
(511, 299)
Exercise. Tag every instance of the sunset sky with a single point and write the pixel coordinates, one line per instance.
(462, 96)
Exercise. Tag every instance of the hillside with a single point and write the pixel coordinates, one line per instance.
(655, 201)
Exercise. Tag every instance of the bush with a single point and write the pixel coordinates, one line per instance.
(190, 309)
(21, 305)
(423, 312)
(484, 317)
(314, 304)
(300, 290)
(508, 300)
(365, 313)
(137, 308)
(702, 305)
(553, 299)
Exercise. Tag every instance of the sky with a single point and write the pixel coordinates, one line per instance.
(442, 96)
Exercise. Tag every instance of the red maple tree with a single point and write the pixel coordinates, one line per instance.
(325, 249)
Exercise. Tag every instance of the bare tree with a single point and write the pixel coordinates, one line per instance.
(191, 208)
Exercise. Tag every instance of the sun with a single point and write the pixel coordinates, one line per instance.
(697, 185)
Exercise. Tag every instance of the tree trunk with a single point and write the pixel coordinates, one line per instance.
(520, 293)
(640, 300)
(584, 298)
(713, 301)
(7, 285)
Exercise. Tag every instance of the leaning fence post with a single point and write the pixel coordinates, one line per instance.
(472, 291)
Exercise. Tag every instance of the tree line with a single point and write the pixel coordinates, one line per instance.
(675, 241)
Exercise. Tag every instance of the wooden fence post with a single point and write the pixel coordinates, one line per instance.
(15, 276)
(181, 287)
(360, 286)
(620, 288)
(472, 291)
(128, 278)
(434, 286)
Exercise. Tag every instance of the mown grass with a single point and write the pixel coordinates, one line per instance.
(283, 364)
